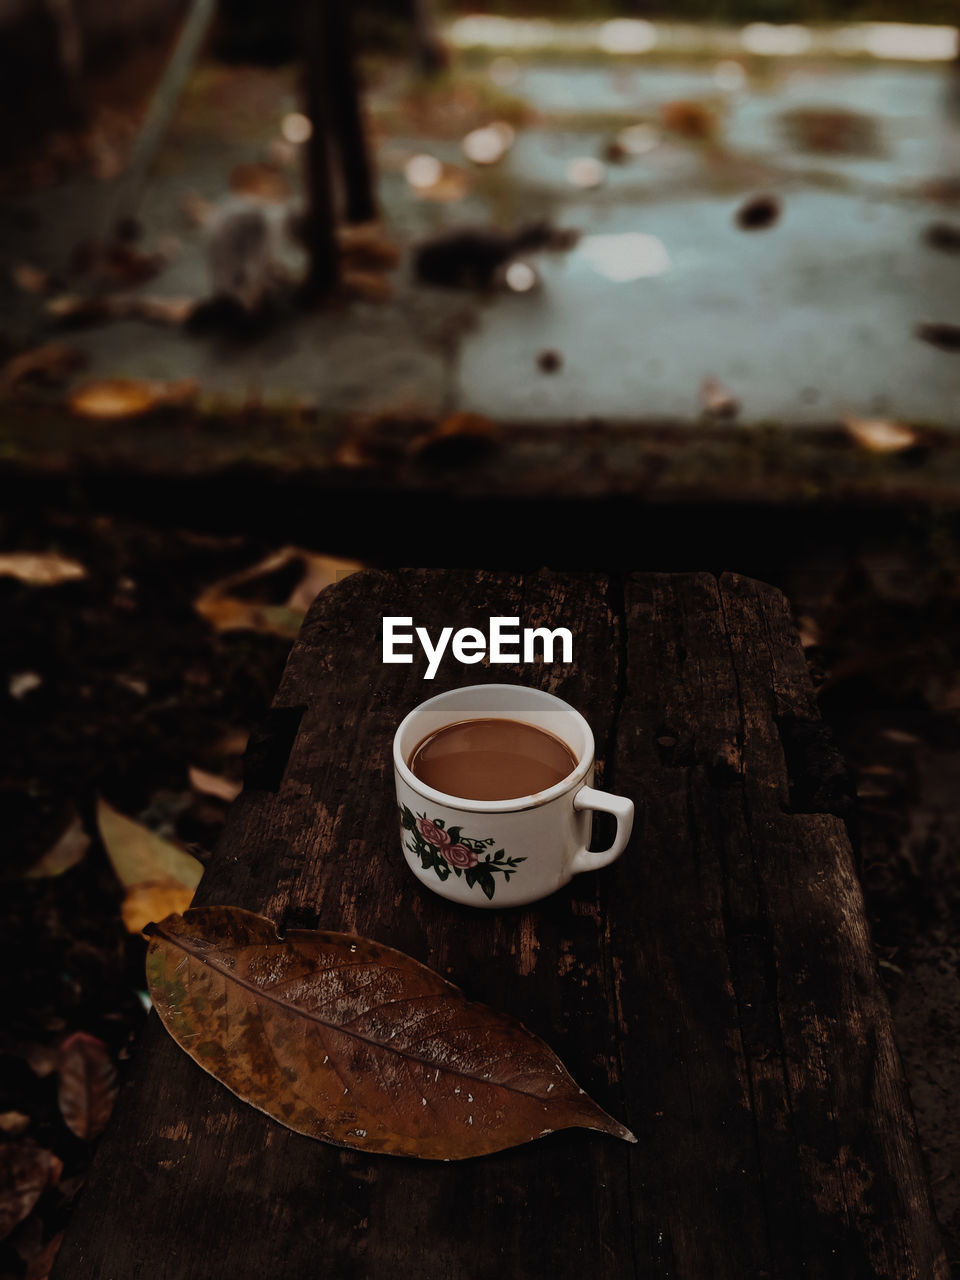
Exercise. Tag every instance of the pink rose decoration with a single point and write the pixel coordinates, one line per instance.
(458, 855)
(434, 834)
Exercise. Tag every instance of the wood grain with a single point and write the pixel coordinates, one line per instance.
(715, 989)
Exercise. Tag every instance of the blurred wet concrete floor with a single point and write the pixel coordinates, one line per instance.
(807, 320)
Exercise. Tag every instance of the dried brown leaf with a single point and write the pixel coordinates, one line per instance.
(125, 264)
(364, 247)
(25, 1173)
(41, 1265)
(172, 311)
(14, 1124)
(261, 179)
(65, 853)
(228, 612)
(88, 1085)
(690, 119)
(50, 364)
(74, 310)
(717, 400)
(355, 1043)
(196, 209)
(211, 784)
(30, 279)
(40, 568)
(366, 286)
(881, 436)
(460, 437)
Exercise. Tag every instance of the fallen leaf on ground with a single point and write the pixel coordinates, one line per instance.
(196, 209)
(460, 437)
(25, 1173)
(50, 364)
(939, 333)
(88, 1085)
(260, 179)
(230, 612)
(40, 1266)
(125, 264)
(30, 279)
(110, 398)
(23, 682)
(40, 568)
(173, 311)
(717, 400)
(809, 630)
(881, 436)
(41, 1059)
(836, 130)
(211, 784)
(366, 286)
(65, 853)
(690, 119)
(73, 310)
(758, 213)
(154, 872)
(364, 246)
(356, 1043)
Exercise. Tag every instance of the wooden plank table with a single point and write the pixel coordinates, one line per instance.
(715, 989)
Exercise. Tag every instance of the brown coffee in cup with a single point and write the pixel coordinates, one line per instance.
(491, 759)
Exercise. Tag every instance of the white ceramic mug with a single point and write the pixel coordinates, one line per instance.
(502, 853)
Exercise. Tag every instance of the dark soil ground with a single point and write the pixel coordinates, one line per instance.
(135, 687)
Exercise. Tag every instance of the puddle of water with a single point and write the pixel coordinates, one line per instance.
(630, 255)
(808, 321)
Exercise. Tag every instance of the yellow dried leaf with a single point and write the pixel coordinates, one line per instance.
(211, 784)
(146, 903)
(152, 870)
(881, 436)
(40, 568)
(112, 398)
(227, 612)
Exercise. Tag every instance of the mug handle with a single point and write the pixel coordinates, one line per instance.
(622, 810)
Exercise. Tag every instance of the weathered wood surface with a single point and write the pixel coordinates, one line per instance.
(715, 989)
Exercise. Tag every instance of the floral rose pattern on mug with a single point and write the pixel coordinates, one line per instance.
(451, 852)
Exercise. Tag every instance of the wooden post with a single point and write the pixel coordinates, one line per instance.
(319, 223)
(346, 115)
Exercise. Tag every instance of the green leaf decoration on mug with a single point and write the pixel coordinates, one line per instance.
(450, 852)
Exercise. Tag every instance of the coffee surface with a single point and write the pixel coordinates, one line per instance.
(492, 759)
